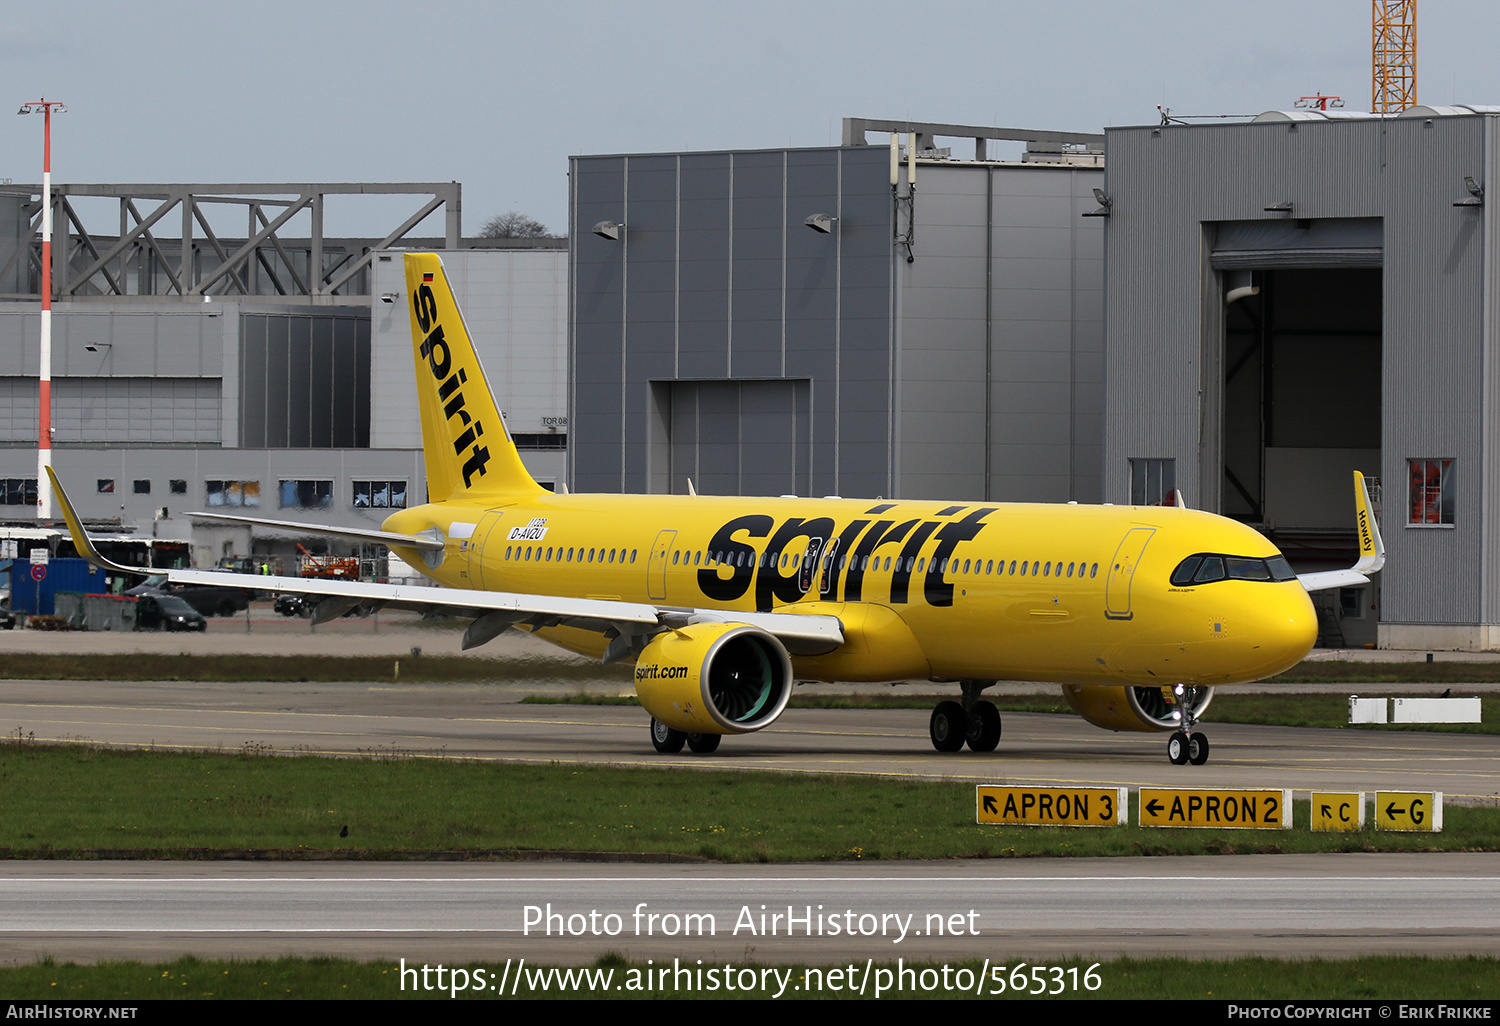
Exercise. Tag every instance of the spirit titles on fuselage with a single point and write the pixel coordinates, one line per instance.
(820, 559)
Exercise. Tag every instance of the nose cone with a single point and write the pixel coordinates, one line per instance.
(1285, 626)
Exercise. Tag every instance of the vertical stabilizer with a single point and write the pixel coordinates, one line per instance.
(469, 452)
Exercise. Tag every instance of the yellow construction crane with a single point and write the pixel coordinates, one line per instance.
(1393, 61)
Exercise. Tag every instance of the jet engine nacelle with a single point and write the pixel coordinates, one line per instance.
(714, 678)
(1130, 708)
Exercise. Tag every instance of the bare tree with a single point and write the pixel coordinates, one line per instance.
(514, 225)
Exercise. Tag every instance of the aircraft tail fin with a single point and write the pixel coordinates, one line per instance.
(469, 452)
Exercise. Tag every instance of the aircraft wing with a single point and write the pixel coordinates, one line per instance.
(1371, 547)
(627, 624)
(1326, 579)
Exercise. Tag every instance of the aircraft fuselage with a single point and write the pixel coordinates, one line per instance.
(947, 591)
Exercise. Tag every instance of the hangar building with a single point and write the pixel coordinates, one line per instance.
(1302, 296)
(195, 369)
(792, 321)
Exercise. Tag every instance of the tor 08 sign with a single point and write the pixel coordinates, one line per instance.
(1050, 806)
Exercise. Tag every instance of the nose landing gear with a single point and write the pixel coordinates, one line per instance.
(1187, 745)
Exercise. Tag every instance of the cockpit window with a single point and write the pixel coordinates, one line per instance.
(1206, 568)
(1183, 575)
(1212, 569)
(1280, 569)
(1247, 569)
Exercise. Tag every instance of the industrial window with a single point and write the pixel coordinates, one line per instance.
(178, 486)
(143, 487)
(380, 494)
(17, 491)
(233, 493)
(1352, 603)
(106, 485)
(306, 494)
(546, 440)
(1152, 482)
(1431, 492)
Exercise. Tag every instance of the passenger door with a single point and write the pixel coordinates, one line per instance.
(1122, 572)
(656, 566)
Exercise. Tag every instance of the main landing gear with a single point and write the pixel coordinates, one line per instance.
(1187, 745)
(669, 740)
(974, 722)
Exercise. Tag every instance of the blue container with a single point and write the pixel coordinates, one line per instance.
(35, 597)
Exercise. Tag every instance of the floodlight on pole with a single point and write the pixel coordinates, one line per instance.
(46, 108)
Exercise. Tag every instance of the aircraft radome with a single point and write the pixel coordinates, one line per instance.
(725, 603)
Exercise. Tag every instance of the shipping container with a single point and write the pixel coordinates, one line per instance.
(35, 597)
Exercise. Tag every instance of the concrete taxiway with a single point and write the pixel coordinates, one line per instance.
(484, 721)
(1062, 911)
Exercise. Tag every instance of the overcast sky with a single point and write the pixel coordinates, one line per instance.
(497, 95)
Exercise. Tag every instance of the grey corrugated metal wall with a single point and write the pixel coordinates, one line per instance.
(1170, 185)
(996, 327)
(716, 278)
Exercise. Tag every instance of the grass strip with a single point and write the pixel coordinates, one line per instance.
(1375, 978)
(81, 801)
(1320, 671)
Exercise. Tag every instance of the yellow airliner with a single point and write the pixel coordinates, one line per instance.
(724, 603)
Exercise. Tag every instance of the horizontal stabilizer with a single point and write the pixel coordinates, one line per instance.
(356, 534)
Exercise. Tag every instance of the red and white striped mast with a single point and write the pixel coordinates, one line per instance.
(44, 385)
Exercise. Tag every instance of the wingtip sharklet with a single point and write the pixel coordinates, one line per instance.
(1371, 545)
(81, 540)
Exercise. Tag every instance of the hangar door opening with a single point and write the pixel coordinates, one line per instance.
(1301, 410)
(732, 437)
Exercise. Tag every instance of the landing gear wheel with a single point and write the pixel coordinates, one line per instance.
(665, 739)
(703, 744)
(982, 727)
(1177, 748)
(947, 727)
(1197, 749)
